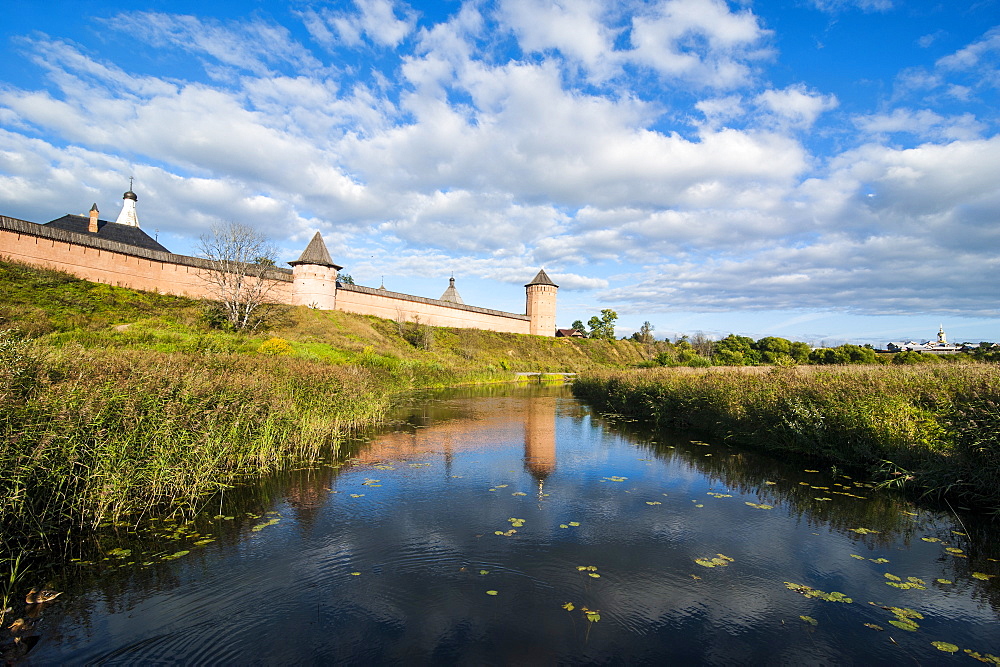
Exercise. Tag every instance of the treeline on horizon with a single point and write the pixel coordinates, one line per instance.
(734, 350)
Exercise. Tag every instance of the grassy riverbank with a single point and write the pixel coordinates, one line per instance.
(934, 429)
(116, 403)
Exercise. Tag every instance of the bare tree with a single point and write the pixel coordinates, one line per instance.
(239, 258)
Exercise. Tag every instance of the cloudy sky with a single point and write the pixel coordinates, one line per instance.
(821, 170)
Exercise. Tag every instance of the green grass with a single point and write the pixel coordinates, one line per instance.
(934, 428)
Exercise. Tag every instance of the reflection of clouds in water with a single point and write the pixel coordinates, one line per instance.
(420, 536)
(640, 590)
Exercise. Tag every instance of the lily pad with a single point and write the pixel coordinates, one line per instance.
(945, 646)
(569, 606)
(810, 620)
(492, 592)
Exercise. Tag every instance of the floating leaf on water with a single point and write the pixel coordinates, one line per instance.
(857, 556)
(983, 657)
(820, 488)
(810, 471)
(707, 454)
(201, 543)
(574, 523)
(944, 581)
(910, 513)
(502, 486)
(954, 550)
(770, 483)
(759, 506)
(892, 576)
(803, 483)
(904, 624)
(484, 572)
(355, 574)
(176, 555)
(719, 495)
(873, 626)
(811, 592)
(357, 495)
(653, 502)
(593, 615)
(699, 505)
(517, 523)
(492, 592)
(822, 498)
(562, 525)
(594, 575)
(720, 560)
(519, 493)
(121, 553)
(810, 620)
(879, 560)
(930, 539)
(569, 606)
(945, 646)
(261, 526)
(982, 576)
(862, 531)
(955, 532)
(616, 478)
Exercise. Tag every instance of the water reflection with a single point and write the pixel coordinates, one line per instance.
(391, 555)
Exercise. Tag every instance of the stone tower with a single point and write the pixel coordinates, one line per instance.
(541, 307)
(128, 216)
(314, 277)
(451, 294)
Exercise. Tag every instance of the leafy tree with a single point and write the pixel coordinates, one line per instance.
(843, 354)
(644, 334)
(579, 326)
(239, 259)
(345, 279)
(603, 327)
(735, 350)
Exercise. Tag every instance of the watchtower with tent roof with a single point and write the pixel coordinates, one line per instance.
(314, 276)
(541, 304)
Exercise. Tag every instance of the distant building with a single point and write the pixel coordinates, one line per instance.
(570, 333)
(940, 346)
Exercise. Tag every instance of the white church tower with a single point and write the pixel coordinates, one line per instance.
(128, 216)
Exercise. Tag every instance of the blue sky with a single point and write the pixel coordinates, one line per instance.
(821, 170)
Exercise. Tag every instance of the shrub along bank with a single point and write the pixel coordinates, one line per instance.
(933, 428)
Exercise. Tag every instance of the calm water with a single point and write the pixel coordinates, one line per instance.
(458, 537)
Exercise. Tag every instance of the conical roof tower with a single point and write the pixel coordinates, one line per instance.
(451, 294)
(316, 253)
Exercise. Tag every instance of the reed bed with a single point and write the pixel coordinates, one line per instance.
(936, 429)
(94, 436)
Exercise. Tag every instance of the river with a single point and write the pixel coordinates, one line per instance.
(514, 525)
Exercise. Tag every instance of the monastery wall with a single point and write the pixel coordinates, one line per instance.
(109, 262)
(408, 308)
(113, 263)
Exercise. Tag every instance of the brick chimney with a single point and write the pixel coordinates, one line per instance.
(92, 227)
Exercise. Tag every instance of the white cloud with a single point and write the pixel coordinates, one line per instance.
(376, 20)
(834, 6)
(795, 105)
(573, 27)
(253, 45)
(699, 41)
(924, 123)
